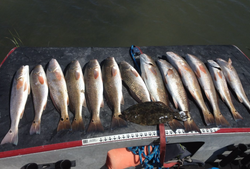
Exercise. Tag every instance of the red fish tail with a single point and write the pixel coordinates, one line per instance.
(208, 117)
(190, 126)
(11, 137)
(95, 126)
(35, 127)
(77, 124)
(64, 124)
(236, 115)
(221, 121)
(175, 124)
(118, 122)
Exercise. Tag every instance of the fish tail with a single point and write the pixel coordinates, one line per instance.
(64, 124)
(236, 115)
(221, 121)
(11, 137)
(95, 126)
(77, 124)
(190, 125)
(175, 124)
(118, 122)
(35, 127)
(208, 117)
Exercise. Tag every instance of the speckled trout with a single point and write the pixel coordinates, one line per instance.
(76, 91)
(220, 84)
(39, 87)
(190, 82)
(233, 80)
(58, 93)
(19, 94)
(176, 89)
(207, 85)
(133, 80)
(94, 94)
(112, 83)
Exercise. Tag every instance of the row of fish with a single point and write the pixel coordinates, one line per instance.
(77, 90)
(193, 72)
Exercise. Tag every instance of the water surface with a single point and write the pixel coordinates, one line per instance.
(111, 23)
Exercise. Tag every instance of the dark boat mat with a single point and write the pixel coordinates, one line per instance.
(33, 56)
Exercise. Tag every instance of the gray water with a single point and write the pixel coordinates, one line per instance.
(110, 23)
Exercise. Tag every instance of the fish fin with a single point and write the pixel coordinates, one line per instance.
(64, 124)
(96, 73)
(54, 103)
(122, 100)
(114, 71)
(102, 103)
(203, 69)
(221, 121)
(41, 79)
(21, 115)
(11, 137)
(175, 103)
(236, 115)
(58, 75)
(220, 74)
(134, 72)
(95, 126)
(25, 86)
(35, 127)
(118, 122)
(19, 84)
(152, 69)
(190, 126)
(170, 72)
(175, 124)
(239, 98)
(208, 117)
(229, 63)
(77, 124)
(215, 79)
(45, 105)
(187, 68)
(197, 72)
(134, 96)
(77, 75)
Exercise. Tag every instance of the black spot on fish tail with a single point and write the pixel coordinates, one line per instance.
(78, 125)
(64, 124)
(95, 126)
